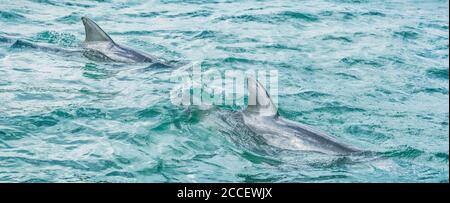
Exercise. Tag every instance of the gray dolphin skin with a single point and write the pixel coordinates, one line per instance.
(98, 46)
(262, 117)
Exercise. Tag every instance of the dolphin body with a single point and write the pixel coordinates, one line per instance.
(263, 119)
(99, 46)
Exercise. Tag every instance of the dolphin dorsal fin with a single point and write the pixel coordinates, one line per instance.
(259, 101)
(93, 32)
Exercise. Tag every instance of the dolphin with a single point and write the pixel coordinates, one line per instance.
(99, 46)
(262, 118)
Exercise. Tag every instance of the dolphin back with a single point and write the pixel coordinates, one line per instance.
(263, 118)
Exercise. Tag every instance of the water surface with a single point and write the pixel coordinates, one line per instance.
(374, 74)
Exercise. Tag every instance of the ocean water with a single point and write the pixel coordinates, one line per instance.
(372, 73)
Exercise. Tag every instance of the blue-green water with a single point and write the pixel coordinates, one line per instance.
(374, 74)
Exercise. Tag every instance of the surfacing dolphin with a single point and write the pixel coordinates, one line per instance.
(264, 120)
(97, 46)
(100, 47)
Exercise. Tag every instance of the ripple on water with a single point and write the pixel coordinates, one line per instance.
(438, 73)
(148, 113)
(369, 132)
(442, 157)
(431, 90)
(374, 13)
(53, 37)
(337, 38)
(198, 13)
(7, 134)
(146, 14)
(300, 16)
(407, 35)
(72, 18)
(258, 178)
(348, 76)
(90, 112)
(404, 151)
(338, 109)
(7, 16)
(351, 61)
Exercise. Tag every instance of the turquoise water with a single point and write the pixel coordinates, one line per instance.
(374, 74)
